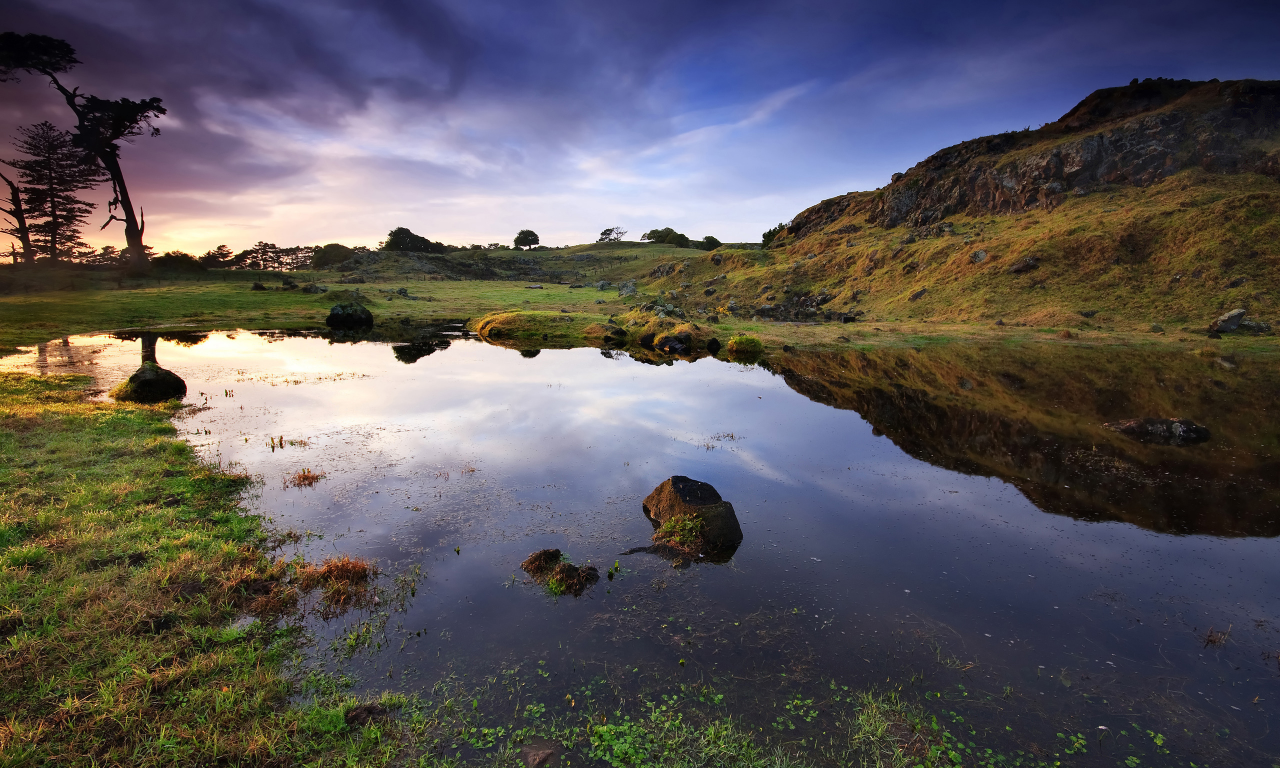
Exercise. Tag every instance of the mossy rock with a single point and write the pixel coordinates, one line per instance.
(744, 348)
(150, 384)
(690, 515)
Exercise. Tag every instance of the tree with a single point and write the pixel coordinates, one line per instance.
(526, 238)
(401, 239)
(657, 235)
(19, 229)
(102, 123)
(768, 237)
(178, 261)
(329, 255)
(612, 235)
(54, 171)
(667, 236)
(218, 258)
(708, 243)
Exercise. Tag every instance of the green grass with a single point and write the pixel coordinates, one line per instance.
(1164, 254)
(124, 560)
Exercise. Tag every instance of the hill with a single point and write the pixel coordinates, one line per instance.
(1155, 202)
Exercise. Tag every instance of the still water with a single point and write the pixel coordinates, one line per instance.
(1000, 556)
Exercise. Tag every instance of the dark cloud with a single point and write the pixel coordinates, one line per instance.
(639, 100)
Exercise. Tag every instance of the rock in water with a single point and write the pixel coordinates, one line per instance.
(1228, 322)
(713, 346)
(151, 384)
(548, 567)
(691, 515)
(1161, 431)
(349, 314)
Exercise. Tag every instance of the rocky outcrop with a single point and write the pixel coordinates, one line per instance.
(1161, 431)
(1135, 134)
(689, 515)
(349, 315)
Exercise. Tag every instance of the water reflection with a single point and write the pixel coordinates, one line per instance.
(891, 501)
(1034, 417)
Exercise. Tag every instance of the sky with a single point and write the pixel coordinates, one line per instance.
(304, 122)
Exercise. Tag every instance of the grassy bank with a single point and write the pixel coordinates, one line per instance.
(124, 562)
(183, 302)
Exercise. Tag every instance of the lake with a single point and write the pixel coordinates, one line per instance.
(950, 521)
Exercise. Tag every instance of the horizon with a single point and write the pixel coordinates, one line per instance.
(468, 122)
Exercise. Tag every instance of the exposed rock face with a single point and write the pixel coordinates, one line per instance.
(690, 515)
(1161, 431)
(1228, 322)
(349, 314)
(151, 384)
(1135, 134)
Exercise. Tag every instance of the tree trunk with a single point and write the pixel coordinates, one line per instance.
(135, 251)
(20, 221)
(149, 348)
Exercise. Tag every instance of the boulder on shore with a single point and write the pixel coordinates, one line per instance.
(1161, 431)
(349, 314)
(690, 515)
(1228, 322)
(150, 384)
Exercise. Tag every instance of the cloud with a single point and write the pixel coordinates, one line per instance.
(470, 119)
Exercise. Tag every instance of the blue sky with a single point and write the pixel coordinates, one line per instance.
(335, 120)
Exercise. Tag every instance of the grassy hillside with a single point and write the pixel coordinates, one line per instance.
(1179, 252)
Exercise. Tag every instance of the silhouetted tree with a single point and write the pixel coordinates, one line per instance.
(526, 238)
(401, 239)
(329, 255)
(19, 229)
(178, 261)
(102, 123)
(612, 235)
(54, 171)
(218, 258)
